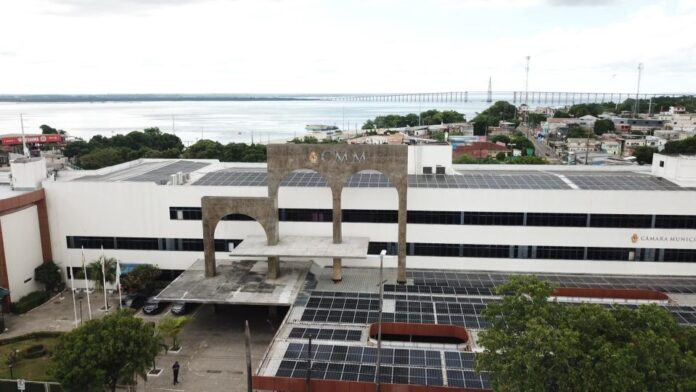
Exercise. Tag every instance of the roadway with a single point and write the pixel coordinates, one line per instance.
(540, 149)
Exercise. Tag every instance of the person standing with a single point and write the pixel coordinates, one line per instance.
(175, 371)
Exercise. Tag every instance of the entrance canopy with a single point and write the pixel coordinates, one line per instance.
(303, 247)
(238, 282)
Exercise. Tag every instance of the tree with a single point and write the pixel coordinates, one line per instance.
(95, 271)
(170, 327)
(644, 154)
(499, 111)
(49, 275)
(528, 160)
(536, 118)
(500, 156)
(141, 279)
(520, 142)
(561, 114)
(603, 126)
(105, 351)
(535, 344)
(686, 146)
(204, 149)
(579, 132)
(47, 130)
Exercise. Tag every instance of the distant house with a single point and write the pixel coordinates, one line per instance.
(637, 124)
(480, 150)
(587, 121)
(581, 144)
(611, 147)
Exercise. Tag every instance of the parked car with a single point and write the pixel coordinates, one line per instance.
(153, 306)
(133, 301)
(180, 308)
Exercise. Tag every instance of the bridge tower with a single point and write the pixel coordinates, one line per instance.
(489, 96)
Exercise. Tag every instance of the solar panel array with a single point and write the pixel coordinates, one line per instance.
(326, 334)
(358, 363)
(163, 173)
(399, 366)
(485, 280)
(341, 307)
(468, 180)
(621, 182)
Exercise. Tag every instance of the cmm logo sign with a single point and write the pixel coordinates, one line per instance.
(634, 238)
(337, 156)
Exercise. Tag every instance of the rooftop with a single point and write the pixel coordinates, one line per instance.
(339, 317)
(552, 177)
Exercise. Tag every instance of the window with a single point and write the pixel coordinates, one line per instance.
(567, 220)
(304, 215)
(662, 163)
(675, 222)
(91, 242)
(374, 248)
(618, 254)
(494, 218)
(370, 216)
(560, 252)
(618, 220)
(144, 243)
(680, 255)
(434, 217)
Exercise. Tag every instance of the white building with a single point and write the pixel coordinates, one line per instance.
(521, 218)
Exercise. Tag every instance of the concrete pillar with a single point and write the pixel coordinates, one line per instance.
(337, 234)
(273, 267)
(401, 274)
(466, 96)
(209, 247)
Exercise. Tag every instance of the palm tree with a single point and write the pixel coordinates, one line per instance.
(170, 327)
(95, 271)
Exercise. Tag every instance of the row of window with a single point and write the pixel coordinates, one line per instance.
(143, 243)
(467, 218)
(413, 249)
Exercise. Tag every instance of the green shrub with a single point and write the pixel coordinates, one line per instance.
(49, 275)
(29, 302)
(31, 336)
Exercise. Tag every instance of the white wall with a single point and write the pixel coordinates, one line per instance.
(130, 209)
(20, 235)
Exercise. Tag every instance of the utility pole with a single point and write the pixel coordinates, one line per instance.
(379, 320)
(635, 104)
(247, 343)
(308, 387)
(25, 150)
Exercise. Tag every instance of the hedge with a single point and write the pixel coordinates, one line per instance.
(30, 336)
(29, 302)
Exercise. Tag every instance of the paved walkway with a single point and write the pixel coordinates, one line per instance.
(57, 314)
(212, 357)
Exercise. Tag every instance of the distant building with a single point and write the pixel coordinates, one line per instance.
(671, 134)
(637, 124)
(587, 121)
(576, 144)
(612, 147)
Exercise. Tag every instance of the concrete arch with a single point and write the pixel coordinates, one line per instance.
(262, 209)
(337, 163)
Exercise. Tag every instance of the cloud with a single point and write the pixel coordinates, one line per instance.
(91, 7)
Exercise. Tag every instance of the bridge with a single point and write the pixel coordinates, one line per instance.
(529, 97)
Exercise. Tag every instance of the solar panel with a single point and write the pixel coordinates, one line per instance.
(163, 173)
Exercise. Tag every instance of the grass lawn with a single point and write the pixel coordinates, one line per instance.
(29, 369)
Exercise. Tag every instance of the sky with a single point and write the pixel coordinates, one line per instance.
(351, 46)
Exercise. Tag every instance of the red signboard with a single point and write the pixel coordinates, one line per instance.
(15, 140)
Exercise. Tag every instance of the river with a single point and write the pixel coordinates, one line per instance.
(224, 121)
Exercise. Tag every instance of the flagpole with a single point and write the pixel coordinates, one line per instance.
(118, 283)
(72, 289)
(103, 263)
(84, 269)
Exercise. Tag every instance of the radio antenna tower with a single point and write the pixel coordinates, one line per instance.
(489, 97)
(526, 82)
(635, 104)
